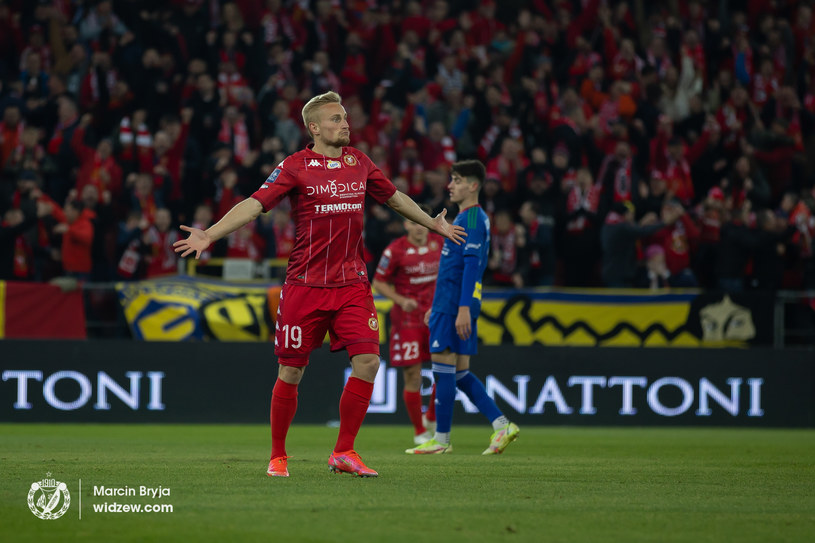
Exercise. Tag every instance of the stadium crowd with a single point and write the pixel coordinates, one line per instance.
(627, 143)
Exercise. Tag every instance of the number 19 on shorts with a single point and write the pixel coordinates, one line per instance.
(292, 337)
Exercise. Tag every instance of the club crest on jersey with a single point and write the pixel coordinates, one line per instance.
(334, 164)
(373, 324)
(351, 160)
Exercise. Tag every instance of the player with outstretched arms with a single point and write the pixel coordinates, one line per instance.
(406, 274)
(326, 286)
(454, 314)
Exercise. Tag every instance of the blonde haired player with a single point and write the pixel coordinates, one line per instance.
(326, 286)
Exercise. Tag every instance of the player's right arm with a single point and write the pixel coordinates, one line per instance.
(199, 240)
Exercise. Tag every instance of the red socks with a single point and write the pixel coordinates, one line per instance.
(413, 402)
(353, 405)
(281, 413)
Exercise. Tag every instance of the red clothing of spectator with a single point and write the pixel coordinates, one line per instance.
(76, 244)
(45, 56)
(581, 65)
(592, 93)
(225, 199)
(89, 92)
(43, 234)
(161, 258)
(353, 75)
(437, 153)
(171, 160)
(231, 86)
(416, 23)
(763, 88)
(697, 53)
(278, 25)
(616, 175)
(578, 199)
(244, 243)
(505, 250)
(678, 179)
(225, 55)
(56, 139)
(146, 203)
(236, 136)
(507, 171)
(732, 119)
(624, 68)
(677, 240)
(104, 174)
(251, 12)
(9, 139)
(134, 146)
(559, 117)
(484, 27)
(675, 172)
(801, 217)
(23, 258)
(413, 172)
(584, 21)
(710, 225)
(544, 98)
(777, 163)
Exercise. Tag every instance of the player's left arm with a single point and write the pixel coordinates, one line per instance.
(406, 207)
(468, 281)
(477, 243)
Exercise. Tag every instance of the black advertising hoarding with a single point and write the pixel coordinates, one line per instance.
(215, 382)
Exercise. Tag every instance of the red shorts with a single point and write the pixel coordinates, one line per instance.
(305, 314)
(409, 346)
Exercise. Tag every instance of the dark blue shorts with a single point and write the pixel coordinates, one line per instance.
(443, 335)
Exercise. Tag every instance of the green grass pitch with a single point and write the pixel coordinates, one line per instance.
(552, 485)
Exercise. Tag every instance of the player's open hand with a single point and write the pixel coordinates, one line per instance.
(464, 323)
(453, 232)
(197, 242)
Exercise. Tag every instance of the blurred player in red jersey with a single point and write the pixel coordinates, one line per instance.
(406, 274)
(326, 287)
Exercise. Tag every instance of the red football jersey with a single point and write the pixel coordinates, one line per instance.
(327, 197)
(412, 271)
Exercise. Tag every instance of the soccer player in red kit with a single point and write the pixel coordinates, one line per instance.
(406, 274)
(326, 287)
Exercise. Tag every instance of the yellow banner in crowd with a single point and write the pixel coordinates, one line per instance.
(593, 324)
(179, 309)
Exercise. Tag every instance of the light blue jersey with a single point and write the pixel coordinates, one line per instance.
(450, 288)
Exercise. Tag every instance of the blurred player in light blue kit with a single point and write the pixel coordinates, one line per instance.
(454, 315)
